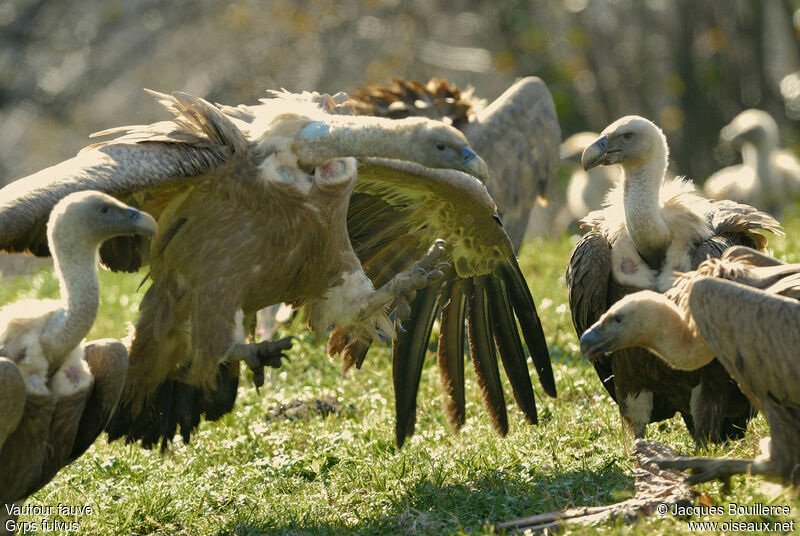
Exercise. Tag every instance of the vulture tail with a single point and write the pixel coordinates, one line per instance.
(175, 405)
(408, 354)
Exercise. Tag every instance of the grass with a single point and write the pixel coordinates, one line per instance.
(244, 475)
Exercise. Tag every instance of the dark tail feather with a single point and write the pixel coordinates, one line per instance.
(484, 359)
(450, 353)
(509, 347)
(408, 354)
(175, 404)
(525, 309)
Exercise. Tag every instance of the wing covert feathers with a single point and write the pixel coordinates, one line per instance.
(754, 335)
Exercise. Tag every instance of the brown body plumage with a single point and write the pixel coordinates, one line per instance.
(650, 230)
(254, 205)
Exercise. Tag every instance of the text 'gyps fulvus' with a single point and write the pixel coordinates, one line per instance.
(254, 205)
(743, 309)
(651, 229)
(57, 391)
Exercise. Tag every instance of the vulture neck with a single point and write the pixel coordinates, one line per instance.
(354, 138)
(648, 230)
(674, 336)
(76, 267)
(758, 158)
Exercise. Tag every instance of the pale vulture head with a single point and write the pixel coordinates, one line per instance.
(630, 141)
(627, 323)
(751, 126)
(442, 146)
(93, 217)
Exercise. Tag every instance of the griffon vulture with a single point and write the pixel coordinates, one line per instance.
(57, 391)
(524, 117)
(650, 230)
(742, 309)
(768, 177)
(254, 205)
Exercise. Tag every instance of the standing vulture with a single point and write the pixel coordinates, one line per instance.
(517, 134)
(743, 309)
(254, 206)
(57, 391)
(650, 229)
(768, 177)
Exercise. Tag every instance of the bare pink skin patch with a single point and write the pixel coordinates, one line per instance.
(73, 375)
(628, 266)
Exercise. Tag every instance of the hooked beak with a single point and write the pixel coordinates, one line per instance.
(141, 222)
(596, 154)
(474, 164)
(594, 343)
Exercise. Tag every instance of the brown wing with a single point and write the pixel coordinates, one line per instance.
(396, 212)
(754, 335)
(147, 158)
(735, 224)
(588, 283)
(518, 136)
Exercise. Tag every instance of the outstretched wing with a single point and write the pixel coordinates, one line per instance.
(518, 136)
(397, 210)
(754, 334)
(146, 158)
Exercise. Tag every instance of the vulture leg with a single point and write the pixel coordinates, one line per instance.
(108, 361)
(402, 287)
(260, 355)
(706, 469)
(12, 398)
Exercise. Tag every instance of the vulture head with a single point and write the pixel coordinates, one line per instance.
(94, 217)
(627, 323)
(630, 141)
(442, 146)
(751, 126)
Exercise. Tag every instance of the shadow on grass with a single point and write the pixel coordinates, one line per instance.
(429, 508)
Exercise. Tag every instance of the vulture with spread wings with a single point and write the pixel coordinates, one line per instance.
(254, 205)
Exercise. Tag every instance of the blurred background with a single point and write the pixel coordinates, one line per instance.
(73, 67)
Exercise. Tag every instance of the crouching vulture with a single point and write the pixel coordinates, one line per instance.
(254, 205)
(650, 229)
(517, 134)
(57, 391)
(742, 309)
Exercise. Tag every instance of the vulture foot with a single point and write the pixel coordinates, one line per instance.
(707, 469)
(260, 355)
(403, 287)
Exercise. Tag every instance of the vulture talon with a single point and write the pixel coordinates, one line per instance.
(262, 354)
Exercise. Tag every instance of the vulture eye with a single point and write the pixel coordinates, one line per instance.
(104, 209)
(440, 146)
(627, 136)
(617, 319)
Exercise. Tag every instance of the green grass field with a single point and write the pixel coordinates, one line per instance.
(342, 473)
